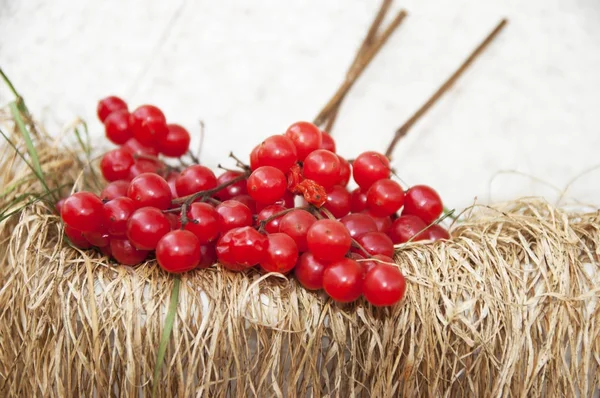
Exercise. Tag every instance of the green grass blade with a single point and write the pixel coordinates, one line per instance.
(166, 334)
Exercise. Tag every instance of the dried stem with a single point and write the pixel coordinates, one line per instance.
(403, 130)
(189, 199)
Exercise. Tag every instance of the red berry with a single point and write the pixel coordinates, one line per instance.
(203, 222)
(116, 213)
(174, 220)
(436, 232)
(306, 138)
(266, 184)
(345, 171)
(241, 248)
(248, 201)
(233, 214)
(136, 148)
(328, 240)
(106, 251)
(309, 271)
(296, 224)
(385, 197)
(142, 166)
(194, 179)
(342, 280)
(277, 151)
(97, 239)
(108, 105)
(76, 237)
(178, 251)
(369, 167)
(84, 212)
(287, 201)
(327, 142)
(405, 228)
(358, 201)
(208, 255)
(115, 189)
(238, 188)
(117, 127)
(358, 224)
(281, 255)
(171, 180)
(323, 167)
(377, 243)
(338, 201)
(58, 205)
(254, 164)
(149, 125)
(383, 223)
(268, 212)
(146, 227)
(115, 164)
(149, 189)
(384, 285)
(125, 253)
(373, 261)
(424, 202)
(176, 143)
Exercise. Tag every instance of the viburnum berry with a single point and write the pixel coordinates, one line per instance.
(287, 201)
(328, 240)
(384, 285)
(377, 243)
(150, 189)
(108, 105)
(306, 138)
(194, 179)
(241, 248)
(115, 189)
(358, 224)
(238, 188)
(115, 164)
(203, 222)
(146, 227)
(296, 225)
(117, 127)
(247, 201)
(116, 213)
(97, 238)
(385, 197)
(369, 167)
(171, 180)
(84, 211)
(436, 232)
(383, 223)
(277, 151)
(137, 148)
(323, 167)
(149, 125)
(176, 143)
(358, 201)
(309, 271)
(142, 166)
(266, 184)
(174, 220)
(106, 250)
(424, 202)
(125, 253)
(208, 256)
(327, 142)
(281, 255)
(345, 172)
(343, 280)
(233, 214)
(338, 201)
(374, 260)
(268, 212)
(178, 251)
(408, 227)
(254, 164)
(76, 237)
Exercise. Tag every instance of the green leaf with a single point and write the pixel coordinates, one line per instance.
(166, 334)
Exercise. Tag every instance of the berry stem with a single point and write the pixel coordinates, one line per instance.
(361, 248)
(183, 217)
(238, 162)
(403, 130)
(194, 158)
(189, 199)
(263, 223)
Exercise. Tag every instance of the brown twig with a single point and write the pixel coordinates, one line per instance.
(403, 130)
(191, 198)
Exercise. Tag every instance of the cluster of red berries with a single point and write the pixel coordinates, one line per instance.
(289, 210)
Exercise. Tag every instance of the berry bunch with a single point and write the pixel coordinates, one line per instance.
(289, 210)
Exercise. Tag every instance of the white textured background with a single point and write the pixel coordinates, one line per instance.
(251, 68)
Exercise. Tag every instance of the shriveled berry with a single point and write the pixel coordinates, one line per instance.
(150, 189)
(241, 248)
(178, 251)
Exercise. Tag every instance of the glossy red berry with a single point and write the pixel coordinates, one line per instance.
(358, 201)
(238, 188)
(194, 179)
(384, 285)
(178, 251)
(115, 164)
(125, 253)
(233, 214)
(327, 142)
(97, 239)
(266, 185)
(377, 243)
(338, 201)
(115, 189)
(281, 255)
(146, 227)
(296, 225)
(84, 211)
(328, 240)
(254, 164)
(150, 189)
(76, 238)
(373, 261)
(117, 127)
(405, 228)
(345, 171)
(208, 256)
(359, 224)
(277, 151)
(137, 148)
(241, 248)
(424, 202)
(342, 280)
(383, 223)
(369, 167)
(385, 197)
(176, 143)
(436, 232)
(248, 201)
(287, 202)
(108, 105)
(268, 212)
(171, 180)
(142, 166)
(323, 167)
(309, 271)
(306, 138)
(149, 125)
(116, 213)
(203, 222)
